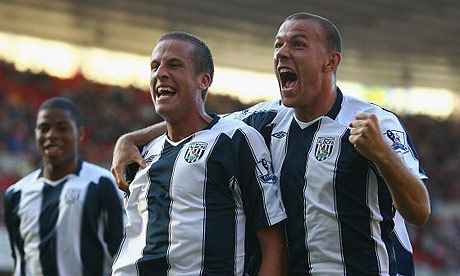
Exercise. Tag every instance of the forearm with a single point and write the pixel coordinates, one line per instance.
(409, 193)
(126, 151)
(274, 251)
(143, 136)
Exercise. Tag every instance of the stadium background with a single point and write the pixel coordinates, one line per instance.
(402, 55)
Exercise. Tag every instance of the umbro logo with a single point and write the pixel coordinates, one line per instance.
(279, 135)
(152, 158)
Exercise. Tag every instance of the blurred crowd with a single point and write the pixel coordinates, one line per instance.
(110, 111)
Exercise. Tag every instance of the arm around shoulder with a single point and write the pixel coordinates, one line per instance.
(126, 151)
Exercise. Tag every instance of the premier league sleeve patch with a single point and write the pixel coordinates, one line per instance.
(264, 172)
(398, 140)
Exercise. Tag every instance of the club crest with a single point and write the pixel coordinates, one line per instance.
(194, 151)
(324, 146)
(71, 196)
(398, 139)
(264, 172)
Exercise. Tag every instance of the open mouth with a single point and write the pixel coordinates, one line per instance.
(288, 77)
(163, 91)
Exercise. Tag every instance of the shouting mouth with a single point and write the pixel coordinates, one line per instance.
(288, 78)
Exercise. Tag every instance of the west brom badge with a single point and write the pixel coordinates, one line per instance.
(324, 146)
(398, 140)
(195, 151)
(71, 196)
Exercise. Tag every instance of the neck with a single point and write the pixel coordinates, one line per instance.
(180, 129)
(55, 172)
(321, 102)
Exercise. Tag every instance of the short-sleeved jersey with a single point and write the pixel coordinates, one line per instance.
(189, 210)
(340, 211)
(71, 226)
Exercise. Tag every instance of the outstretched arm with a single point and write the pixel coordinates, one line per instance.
(126, 151)
(409, 193)
(274, 251)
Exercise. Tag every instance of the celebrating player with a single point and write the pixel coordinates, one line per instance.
(209, 181)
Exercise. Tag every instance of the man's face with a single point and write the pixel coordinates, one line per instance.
(175, 86)
(57, 136)
(299, 58)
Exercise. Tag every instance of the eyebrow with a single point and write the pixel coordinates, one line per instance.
(55, 123)
(169, 59)
(300, 36)
(294, 36)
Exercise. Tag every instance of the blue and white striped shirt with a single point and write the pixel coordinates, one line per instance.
(71, 226)
(189, 210)
(340, 211)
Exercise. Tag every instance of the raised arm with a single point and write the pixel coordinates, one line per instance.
(409, 193)
(126, 151)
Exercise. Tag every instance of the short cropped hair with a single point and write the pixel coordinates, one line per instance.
(331, 33)
(66, 104)
(201, 55)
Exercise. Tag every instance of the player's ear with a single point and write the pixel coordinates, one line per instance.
(332, 61)
(81, 134)
(204, 81)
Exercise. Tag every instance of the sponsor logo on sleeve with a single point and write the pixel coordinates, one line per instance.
(398, 140)
(195, 151)
(324, 147)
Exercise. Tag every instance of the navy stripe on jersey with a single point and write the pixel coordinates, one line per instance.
(387, 224)
(12, 221)
(405, 260)
(47, 222)
(252, 195)
(412, 150)
(103, 199)
(160, 173)
(91, 249)
(292, 182)
(220, 212)
(350, 176)
(335, 109)
(113, 224)
(261, 121)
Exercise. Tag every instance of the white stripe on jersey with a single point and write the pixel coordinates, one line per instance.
(135, 229)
